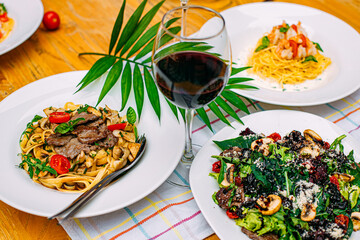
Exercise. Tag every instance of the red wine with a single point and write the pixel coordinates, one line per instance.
(191, 79)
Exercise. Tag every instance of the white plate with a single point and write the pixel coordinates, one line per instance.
(165, 144)
(27, 15)
(247, 23)
(267, 122)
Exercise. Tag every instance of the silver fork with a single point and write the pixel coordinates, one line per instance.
(90, 194)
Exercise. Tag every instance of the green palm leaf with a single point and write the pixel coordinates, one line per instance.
(235, 100)
(145, 21)
(221, 102)
(152, 92)
(96, 71)
(204, 117)
(126, 81)
(138, 89)
(130, 27)
(117, 27)
(215, 109)
(138, 41)
(173, 108)
(239, 80)
(110, 80)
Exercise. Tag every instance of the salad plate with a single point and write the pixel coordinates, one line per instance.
(27, 15)
(248, 23)
(161, 156)
(281, 121)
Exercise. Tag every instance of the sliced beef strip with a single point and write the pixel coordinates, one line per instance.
(109, 141)
(58, 139)
(254, 236)
(223, 196)
(96, 123)
(87, 117)
(74, 148)
(89, 135)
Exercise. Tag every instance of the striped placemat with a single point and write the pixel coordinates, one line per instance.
(171, 212)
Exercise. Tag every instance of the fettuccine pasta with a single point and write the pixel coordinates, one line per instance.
(74, 147)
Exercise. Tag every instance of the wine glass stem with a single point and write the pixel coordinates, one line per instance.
(188, 153)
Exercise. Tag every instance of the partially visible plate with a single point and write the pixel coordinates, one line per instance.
(247, 23)
(165, 145)
(27, 15)
(267, 122)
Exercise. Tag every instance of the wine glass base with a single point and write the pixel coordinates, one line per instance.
(180, 176)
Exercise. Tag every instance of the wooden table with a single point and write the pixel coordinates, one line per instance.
(86, 27)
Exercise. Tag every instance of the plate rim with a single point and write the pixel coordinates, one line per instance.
(81, 214)
(335, 97)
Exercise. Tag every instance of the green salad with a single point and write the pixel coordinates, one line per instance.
(292, 187)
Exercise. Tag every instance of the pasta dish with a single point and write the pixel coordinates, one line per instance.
(6, 23)
(288, 56)
(74, 147)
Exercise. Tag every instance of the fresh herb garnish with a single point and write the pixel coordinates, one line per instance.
(131, 115)
(284, 29)
(2, 9)
(68, 126)
(35, 165)
(265, 42)
(30, 126)
(309, 58)
(83, 108)
(318, 47)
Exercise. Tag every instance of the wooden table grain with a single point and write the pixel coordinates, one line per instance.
(86, 27)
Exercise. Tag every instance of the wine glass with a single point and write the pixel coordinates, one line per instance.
(191, 64)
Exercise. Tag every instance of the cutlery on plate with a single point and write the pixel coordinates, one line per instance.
(90, 194)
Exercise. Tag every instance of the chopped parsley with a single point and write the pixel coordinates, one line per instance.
(309, 58)
(284, 29)
(30, 126)
(35, 165)
(318, 47)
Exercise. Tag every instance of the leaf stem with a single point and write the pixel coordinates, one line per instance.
(124, 59)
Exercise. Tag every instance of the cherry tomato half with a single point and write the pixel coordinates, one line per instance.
(275, 136)
(342, 221)
(59, 117)
(60, 163)
(119, 126)
(4, 17)
(51, 20)
(231, 214)
(216, 166)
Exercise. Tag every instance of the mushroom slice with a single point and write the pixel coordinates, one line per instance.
(355, 218)
(269, 205)
(312, 136)
(308, 212)
(311, 149)
(344, 177)
(262, 145)
(229, 175)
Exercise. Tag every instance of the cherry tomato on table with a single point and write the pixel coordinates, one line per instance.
(51, 20)
(119, 126)
(59, 117)
(60, 163)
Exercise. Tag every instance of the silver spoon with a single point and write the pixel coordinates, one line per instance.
(88, 195)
